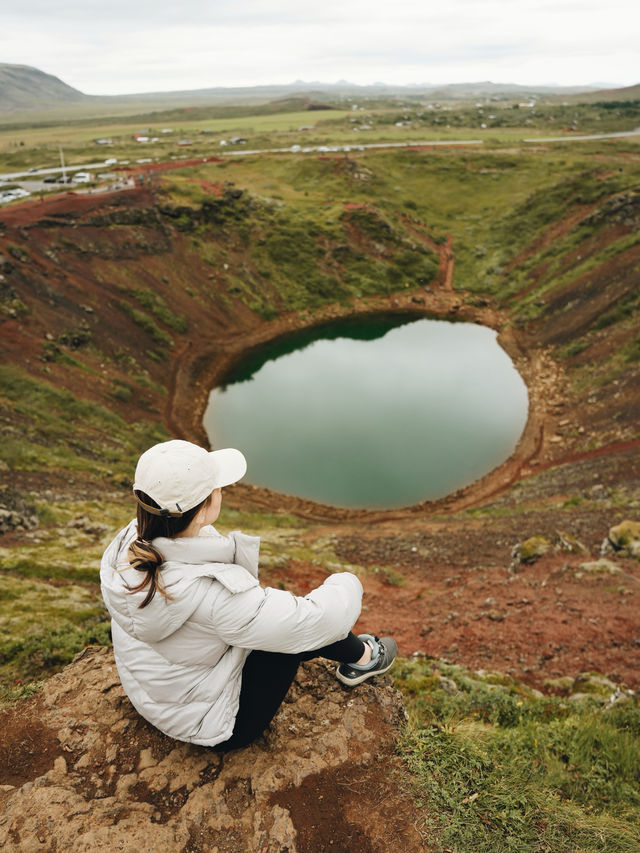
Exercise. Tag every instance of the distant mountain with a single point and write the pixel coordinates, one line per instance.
(23, 87)
(343, 88)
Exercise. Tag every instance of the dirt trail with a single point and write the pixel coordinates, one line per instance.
(588, 454)
(446, 263)
(445, 252)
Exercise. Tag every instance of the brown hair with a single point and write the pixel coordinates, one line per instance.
(143, 556)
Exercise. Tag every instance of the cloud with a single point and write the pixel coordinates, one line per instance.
(132, 47)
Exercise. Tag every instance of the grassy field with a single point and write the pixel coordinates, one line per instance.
(492, 203)
(36, 143)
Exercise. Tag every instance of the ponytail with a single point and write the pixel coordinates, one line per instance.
(143, 556)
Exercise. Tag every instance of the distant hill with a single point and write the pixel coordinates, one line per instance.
(484, 89)
(316, 89)
(626, 93)
(23, 87)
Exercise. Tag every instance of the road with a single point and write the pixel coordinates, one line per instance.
(316, 149)
(334, 149)
(572, 138)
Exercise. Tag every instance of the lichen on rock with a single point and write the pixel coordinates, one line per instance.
(626, 537)
(528, 551)
(15, 512)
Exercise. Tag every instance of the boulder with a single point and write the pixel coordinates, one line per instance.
(15, 512)
(83, 772)
(561, 685)
(593, 684)
(528, 551)
(626, 537)
(570, 544)
(590, 687)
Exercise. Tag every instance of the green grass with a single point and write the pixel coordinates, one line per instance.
(101, 441)
(495, 767)
(45, 651)
(159, 308)
(50, 599)
(276, 257)
(447, 192)
(146, 323)
(43, 626)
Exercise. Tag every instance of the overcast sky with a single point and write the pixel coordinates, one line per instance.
(130, 46)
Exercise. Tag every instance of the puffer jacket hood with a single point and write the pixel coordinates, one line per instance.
(232, 559)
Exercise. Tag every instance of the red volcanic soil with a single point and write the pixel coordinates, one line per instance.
(445, 589)
(77, 204)
(546, 622)
(169, 165)
(215, 189)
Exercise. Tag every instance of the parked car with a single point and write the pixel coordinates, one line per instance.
(50, 179)
(12, 194)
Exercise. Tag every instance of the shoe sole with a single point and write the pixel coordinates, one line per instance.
(351, 682)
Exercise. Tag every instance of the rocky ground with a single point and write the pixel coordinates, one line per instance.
(83, 772)
(454, 589)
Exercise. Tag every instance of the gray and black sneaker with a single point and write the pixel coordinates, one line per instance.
(384, 651)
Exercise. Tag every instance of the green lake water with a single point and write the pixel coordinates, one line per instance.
(372, 414)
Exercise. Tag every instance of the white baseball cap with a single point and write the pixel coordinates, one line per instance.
(179, 475)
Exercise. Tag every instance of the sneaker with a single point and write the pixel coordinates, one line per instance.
(384, 651)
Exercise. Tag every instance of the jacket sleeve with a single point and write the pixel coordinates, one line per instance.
(278, 621)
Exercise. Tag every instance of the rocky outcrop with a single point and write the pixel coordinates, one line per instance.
(528, 552)
(591, 686)
(532, 549)
(83, 772)
(15, 512)
(625, 538)
(621, 209)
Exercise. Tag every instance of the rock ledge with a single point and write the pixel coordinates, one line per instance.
(85, 773)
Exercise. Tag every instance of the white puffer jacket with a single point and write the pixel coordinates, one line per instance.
(180, 659)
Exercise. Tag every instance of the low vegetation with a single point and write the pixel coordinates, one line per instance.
(497, 767)
(37, 433)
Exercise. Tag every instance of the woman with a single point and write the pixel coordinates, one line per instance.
(204, 652)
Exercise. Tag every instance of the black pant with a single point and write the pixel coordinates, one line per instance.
(266, 677)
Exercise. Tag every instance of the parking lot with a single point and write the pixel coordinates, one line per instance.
(14, 190)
